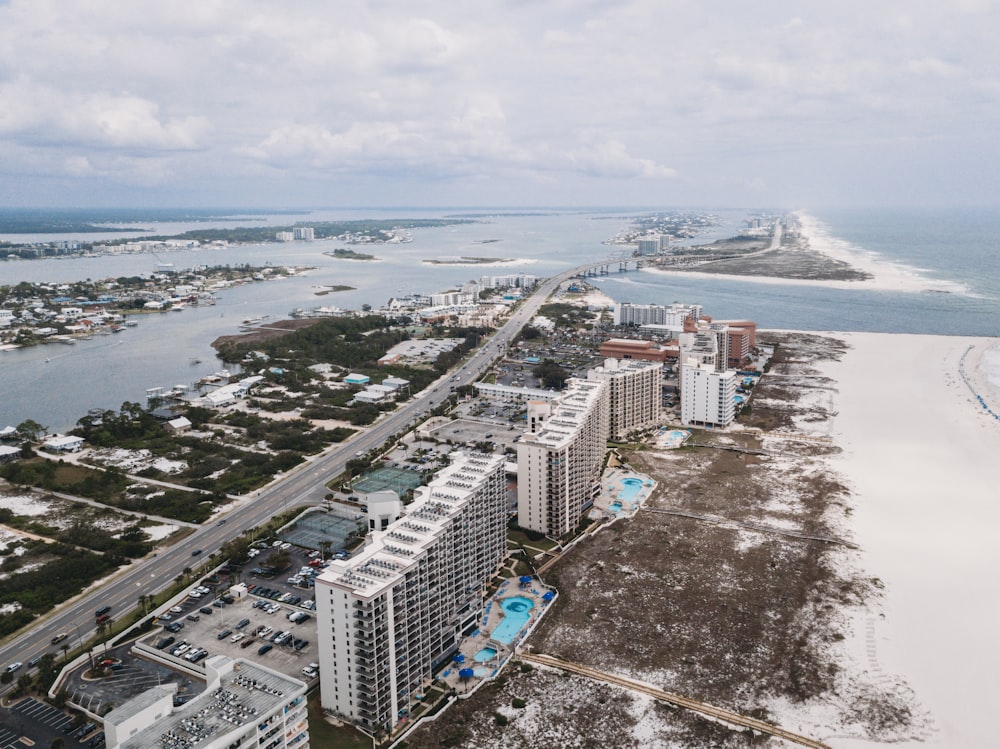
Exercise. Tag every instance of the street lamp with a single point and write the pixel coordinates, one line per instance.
(89, 652)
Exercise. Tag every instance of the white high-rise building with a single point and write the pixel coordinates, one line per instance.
(304, 232)
(635, 393)
(559, 464)
(387, 618)
(707, 395)
(671, 316)
(244, 704)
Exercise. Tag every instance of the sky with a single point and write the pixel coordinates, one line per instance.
(313, 103)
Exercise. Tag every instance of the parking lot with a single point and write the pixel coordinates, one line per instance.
(253, 624)
(42, 724)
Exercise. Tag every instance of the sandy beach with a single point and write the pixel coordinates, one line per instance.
(885, 275)
(918, 455)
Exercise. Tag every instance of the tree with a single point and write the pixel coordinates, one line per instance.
(31, 430)
(552, 374)
(324, 547)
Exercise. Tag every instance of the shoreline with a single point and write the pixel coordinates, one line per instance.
(885, 275)
(917, 454)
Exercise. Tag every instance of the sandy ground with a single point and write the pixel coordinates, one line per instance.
(920, 457)
(885, 275)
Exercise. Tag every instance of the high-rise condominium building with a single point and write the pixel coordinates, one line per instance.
(635, 392)
(389, 616)
(707, 395)
(559, 465)
(672, 315)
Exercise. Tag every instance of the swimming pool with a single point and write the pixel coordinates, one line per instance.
(630, 489)
(484, 655)
(615, 507)
(516, 612)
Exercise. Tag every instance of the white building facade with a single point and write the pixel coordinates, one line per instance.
(559, 465)
(708, 396)
(390, 616)
(671, 316)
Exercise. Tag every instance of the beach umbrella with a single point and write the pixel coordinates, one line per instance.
(466, 673)
(525, 579)
(459, 658)
(548, 595)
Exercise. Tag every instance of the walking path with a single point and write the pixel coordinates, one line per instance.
(750, 525)
(702, 708)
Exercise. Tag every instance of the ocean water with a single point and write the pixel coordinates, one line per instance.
(57, 384)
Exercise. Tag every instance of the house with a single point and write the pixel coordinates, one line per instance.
(63, 444)
(357, 379)
(9, 453)
(180, 424)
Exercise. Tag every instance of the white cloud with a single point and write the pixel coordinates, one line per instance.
(584, 96)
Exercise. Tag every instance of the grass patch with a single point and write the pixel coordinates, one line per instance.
(328, 736)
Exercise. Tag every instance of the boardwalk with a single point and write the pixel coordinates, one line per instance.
(702, 708)
(752, 526)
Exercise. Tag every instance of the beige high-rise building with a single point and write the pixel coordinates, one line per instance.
(635, 392)
(559, 465)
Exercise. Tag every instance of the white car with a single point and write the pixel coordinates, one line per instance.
(237, 637)
(14, 667)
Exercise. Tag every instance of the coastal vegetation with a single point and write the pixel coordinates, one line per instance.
(59, 571)
(345, 254)
(374, 231)
(464, 260)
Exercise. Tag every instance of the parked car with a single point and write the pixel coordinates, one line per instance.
(264, 648)
(223, 634)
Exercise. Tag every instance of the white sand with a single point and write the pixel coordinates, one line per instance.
(886, 275)
(920, 457)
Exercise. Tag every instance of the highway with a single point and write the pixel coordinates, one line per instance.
(305, 484)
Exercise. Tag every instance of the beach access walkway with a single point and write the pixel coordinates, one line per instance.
(752, 526)
(703, 708)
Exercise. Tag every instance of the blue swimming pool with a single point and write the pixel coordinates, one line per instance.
(484, 655)
(615, 507)
(516, 612)
(630, 489)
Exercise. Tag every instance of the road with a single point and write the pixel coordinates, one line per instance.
(305, 484)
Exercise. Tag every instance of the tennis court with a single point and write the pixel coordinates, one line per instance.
(310, 530)
(399, 480)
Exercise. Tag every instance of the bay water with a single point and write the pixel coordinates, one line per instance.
(56, 384)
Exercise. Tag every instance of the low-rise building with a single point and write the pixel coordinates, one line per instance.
(244, 704)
